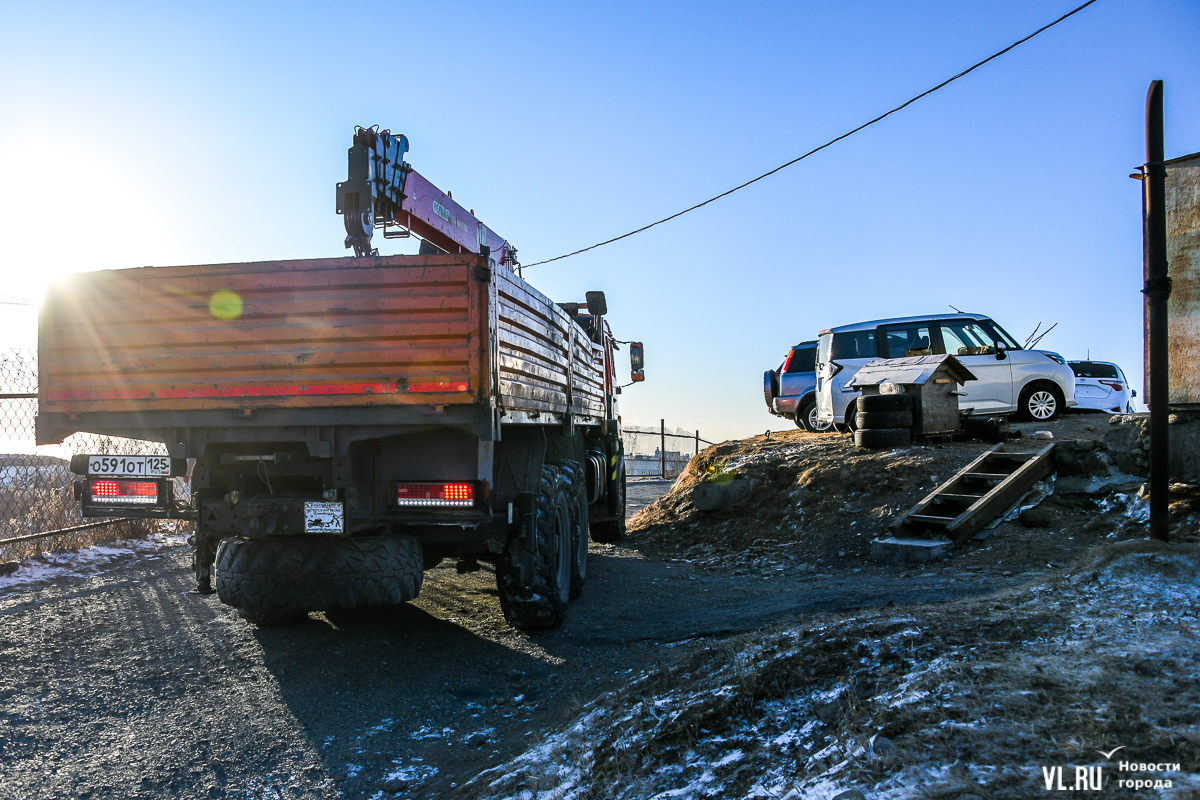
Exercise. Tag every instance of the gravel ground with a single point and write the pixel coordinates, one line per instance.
(123, 682)
(119, 681)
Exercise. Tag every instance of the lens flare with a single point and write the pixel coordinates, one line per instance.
(225, 304)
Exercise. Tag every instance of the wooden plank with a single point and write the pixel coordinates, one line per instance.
(120, 313)
(327, 325)
(532, 371)
(1002, 495)
(533, 328)
(927, 499)
(357, 360)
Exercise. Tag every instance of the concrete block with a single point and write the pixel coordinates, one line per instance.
(710, 496)
(909, 551)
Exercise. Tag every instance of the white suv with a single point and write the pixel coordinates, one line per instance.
(1009, 379)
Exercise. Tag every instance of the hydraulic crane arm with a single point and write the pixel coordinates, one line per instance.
(382, 190)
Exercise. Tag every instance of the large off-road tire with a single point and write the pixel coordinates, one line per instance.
(539, 600)
(806, 418)
(884, 419)
(882, 437)
(574, 478)
(272, 581)
(1040, 402)
(613, 530)
(885, 402)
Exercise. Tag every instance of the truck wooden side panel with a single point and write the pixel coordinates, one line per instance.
(535, 337)
(415, 330)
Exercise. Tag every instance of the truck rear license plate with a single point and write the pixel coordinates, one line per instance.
(323, 518)
(150, 466)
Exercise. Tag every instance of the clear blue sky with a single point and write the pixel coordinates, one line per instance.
(172, 133)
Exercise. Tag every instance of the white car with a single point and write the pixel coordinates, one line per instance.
(1101, 386)
(1010, 380)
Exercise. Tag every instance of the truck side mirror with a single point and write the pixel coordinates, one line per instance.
(596, 304)
(638, 376)
(637, 361)
(1001, 351)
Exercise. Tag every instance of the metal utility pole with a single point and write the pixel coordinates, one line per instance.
(662, 448)
(1157, 288)
(697, 442)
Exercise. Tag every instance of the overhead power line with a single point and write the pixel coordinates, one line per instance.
(831, 142)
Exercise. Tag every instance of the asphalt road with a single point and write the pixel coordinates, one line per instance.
(125, 683)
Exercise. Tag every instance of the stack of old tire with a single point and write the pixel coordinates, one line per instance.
(884, 420)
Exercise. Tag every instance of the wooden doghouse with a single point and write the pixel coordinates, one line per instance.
(934, 382)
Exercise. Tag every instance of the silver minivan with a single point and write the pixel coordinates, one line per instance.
(1009, 378)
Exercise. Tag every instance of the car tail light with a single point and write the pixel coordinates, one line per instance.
(123, 493)
(459, 494)
(787, 362)
(1116, 386)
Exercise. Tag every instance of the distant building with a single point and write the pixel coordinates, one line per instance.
(643, 466)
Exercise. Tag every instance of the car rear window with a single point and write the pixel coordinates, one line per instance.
(802, 359)
(854, 344)
(1090, 369)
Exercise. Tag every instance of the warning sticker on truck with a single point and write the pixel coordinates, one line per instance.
(323, 517)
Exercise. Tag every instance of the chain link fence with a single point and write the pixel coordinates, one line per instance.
(659, 452)
(35, 482)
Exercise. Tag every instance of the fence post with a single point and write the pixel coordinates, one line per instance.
(697, 442)
(662, 448)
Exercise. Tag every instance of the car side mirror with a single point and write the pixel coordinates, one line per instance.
(1001, 351)
(1133, 392)
(637, 358)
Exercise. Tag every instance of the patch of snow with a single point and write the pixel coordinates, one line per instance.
(57, 565)
(426, 732)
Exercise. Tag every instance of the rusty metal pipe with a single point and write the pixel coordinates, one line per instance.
(1156, 290)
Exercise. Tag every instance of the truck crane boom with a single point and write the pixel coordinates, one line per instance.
(383, 191)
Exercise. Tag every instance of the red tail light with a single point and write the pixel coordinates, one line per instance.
(440, 495)
(787, 363)
(1116, 386)
(125, 492)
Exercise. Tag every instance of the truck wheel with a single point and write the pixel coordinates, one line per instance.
(885, 402)
(613, 530)
(273, 581)
(884, 419)
(882, 437)
(539, 601)
(574, 479)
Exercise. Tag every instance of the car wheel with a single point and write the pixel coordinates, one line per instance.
(1040, 402)
(807, 418)
(852, 417)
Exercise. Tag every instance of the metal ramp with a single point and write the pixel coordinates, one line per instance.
(983, 489)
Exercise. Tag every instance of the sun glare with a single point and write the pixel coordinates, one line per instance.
(65, 209)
